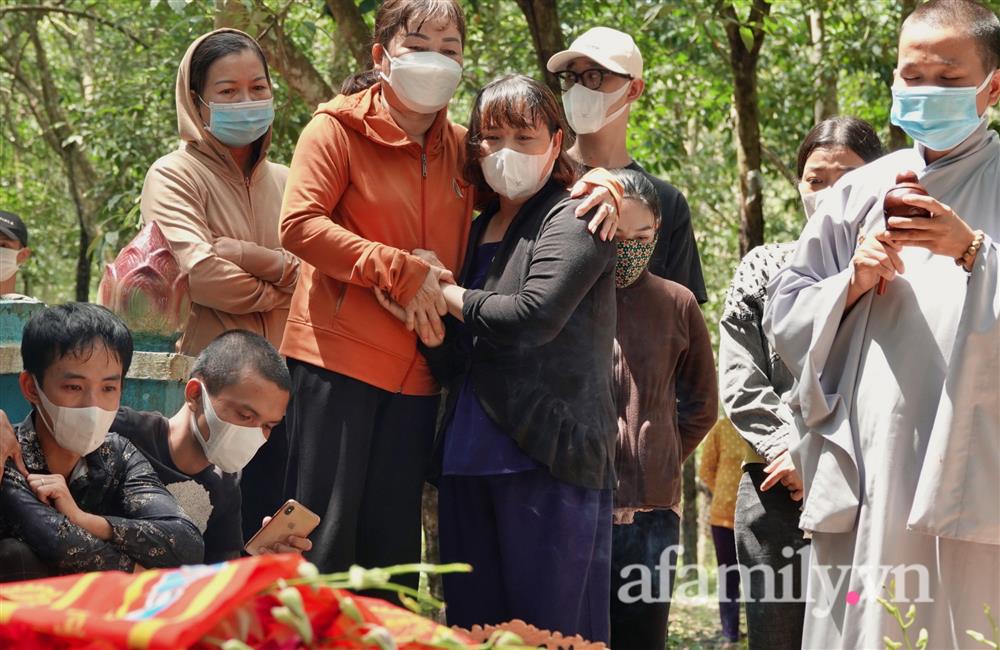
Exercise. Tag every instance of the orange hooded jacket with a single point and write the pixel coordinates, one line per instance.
(360, 196)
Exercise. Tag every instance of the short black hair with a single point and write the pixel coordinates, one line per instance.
(841, 131)
(73, 328)
(981, 23)
(215, 47)
(231, 354)
(638, 187)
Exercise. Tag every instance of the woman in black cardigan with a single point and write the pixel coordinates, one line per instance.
(527, 452)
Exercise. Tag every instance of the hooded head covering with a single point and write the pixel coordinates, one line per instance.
(190, 127)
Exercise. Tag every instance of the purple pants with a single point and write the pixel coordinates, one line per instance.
(729, 607)
(540, 550)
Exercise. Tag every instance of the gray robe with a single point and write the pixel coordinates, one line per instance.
(897, 410)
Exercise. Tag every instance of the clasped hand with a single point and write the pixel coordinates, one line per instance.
(424, 311)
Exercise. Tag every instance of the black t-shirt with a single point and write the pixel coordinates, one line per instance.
(676, 254)
(210, 498)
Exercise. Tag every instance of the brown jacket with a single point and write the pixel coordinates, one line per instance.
(665, 389)
(197, 194)
(360, 196)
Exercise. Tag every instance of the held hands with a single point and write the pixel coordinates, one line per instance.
(424, 311)
(606, 217)
(944, 233)
(431, 339)
(292, 543)
(783, 471)
(430, 257)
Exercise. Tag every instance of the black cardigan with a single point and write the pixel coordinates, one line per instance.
(543, 328)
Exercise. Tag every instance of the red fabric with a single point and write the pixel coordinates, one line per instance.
(180, 608)
(154, 609)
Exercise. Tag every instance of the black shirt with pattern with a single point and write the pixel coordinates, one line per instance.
(211, 498)
(114, 481)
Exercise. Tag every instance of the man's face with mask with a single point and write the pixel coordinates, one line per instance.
(594, 96)
(944, 82)
(12, 256)
(251, 402)
(932, 55)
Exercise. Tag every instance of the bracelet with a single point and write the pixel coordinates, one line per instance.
(969, 256)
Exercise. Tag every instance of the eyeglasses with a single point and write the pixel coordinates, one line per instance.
(592, 78)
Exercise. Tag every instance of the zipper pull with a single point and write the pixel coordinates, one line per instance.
(423, 163)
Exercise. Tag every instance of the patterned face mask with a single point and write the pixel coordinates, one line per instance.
(633, 256)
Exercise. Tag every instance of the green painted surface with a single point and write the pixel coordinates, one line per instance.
(155, 381)
(13, 315)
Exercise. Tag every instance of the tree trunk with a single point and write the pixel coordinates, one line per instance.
(353, 30)
(82, 288)
(897, 138)
(543, 21)
(295, 67)
(80, 174)
(825, 105)
(745, 41)
(432, 550)
(291, 63)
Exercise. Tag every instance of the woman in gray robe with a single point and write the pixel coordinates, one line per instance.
(753, 385)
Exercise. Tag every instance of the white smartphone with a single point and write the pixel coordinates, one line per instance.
(292, 518)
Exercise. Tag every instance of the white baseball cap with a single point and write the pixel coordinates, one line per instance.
(608, 47)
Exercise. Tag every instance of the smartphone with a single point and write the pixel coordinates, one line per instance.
(292, 518)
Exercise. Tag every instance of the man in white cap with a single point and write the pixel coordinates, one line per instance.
(601, 76)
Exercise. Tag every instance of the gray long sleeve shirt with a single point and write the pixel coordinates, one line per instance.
(753, 381)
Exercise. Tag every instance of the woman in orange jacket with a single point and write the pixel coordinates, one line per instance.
(376, 176)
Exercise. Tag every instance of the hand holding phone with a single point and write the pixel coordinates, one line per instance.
(286, 530)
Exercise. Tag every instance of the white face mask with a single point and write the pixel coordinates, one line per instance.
(423, 81)
(514, 174)
(229, 446)
(79, 430)
(587, 110)
(8, 263)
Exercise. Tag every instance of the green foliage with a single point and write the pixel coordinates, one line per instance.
(119, 99)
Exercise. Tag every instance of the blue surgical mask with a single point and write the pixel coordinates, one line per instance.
(937, 117)
(240, 123)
